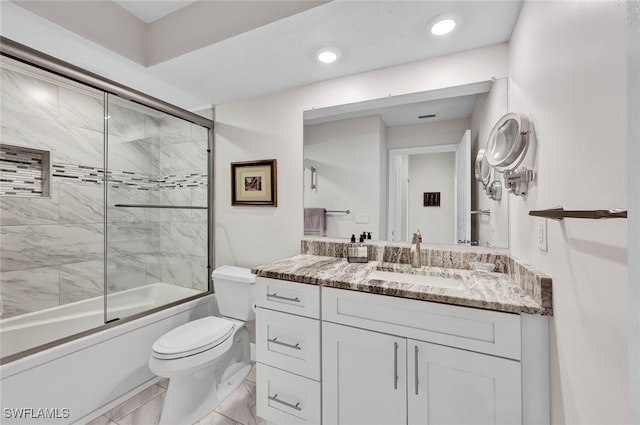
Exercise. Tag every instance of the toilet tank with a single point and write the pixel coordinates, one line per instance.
(234, 292)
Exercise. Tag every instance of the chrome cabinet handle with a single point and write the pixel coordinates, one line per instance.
(292, 406)
(415, 358)
(284, 344)
(395, 365)
(280, 297)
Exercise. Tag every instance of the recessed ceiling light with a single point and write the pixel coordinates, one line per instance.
(328, 54)
(443, 26)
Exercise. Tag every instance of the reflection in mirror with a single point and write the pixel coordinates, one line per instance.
(482, 168)
(394, 165)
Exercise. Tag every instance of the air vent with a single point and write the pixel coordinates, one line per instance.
(421, 117)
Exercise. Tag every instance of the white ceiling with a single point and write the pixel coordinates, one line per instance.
(152, 10)
(279, 55)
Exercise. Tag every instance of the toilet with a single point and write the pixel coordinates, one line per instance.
(206, 359)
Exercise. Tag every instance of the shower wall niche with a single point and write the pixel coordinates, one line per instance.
(26, 171)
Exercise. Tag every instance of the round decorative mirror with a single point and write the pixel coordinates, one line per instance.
(508, 142)
(482, 168)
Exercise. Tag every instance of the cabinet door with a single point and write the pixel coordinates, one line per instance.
(453, 386)
(363, 376)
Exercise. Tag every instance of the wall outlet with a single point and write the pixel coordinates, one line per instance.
(541, 232)
(362, 218)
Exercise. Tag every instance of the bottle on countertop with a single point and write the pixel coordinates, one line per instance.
(357, 252)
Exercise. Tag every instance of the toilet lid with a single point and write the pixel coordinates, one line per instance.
(192, 338)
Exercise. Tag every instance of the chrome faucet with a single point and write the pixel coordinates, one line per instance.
(415, 250)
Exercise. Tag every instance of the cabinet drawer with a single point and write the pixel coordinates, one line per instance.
(290, 297)
(285, 398)
(473, 329)
(288, 342)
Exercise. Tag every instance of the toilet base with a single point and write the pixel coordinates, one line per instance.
(190, 398)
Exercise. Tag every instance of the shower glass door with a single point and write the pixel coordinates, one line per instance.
(157, 235)
(51, 207)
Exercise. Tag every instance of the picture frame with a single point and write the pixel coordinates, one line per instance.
(431, 199)
(254, 183)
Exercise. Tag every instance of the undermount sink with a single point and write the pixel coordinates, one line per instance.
(416, 279)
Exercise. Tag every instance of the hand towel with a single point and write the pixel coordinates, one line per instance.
(315, 221)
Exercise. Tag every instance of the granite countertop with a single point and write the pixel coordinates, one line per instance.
(492, 291)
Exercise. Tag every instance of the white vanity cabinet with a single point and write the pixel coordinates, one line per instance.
(452, 386)
(388, 360)
(375, 378)
(288, 352)
(332, 356)
(363, 377)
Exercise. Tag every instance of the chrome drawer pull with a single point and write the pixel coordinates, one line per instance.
(415, 359)
(395, 365)
(275, 398)
(280, 297)
(275, 341)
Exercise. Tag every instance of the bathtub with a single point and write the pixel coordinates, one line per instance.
(78, 380)
(40, 327)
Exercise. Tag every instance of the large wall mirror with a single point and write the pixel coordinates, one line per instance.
(394, 165)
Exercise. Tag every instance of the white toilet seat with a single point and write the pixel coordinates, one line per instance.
(193, 338)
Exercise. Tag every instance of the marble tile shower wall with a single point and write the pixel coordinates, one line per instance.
(151, 245)
(52, 248)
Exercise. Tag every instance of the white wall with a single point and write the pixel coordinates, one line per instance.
(427, 134)
(633, 113)
(347, 156)
(94, 21)
(22, 26)
(271, 126)
(493, 230)
(568, 68)
(433, 172)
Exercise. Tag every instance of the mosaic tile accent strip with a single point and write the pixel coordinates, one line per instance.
(77, 173)
(24, 172)
(129, 179)
(180, 181)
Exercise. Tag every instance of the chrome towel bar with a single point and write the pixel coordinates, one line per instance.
(560, 213)
(338, 211)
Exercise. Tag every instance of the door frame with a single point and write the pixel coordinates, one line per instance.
(395, 187)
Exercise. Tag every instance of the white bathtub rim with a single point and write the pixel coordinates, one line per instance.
(53, 353)
(29, 331)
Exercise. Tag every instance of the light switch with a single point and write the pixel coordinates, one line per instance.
(362, 218)
(541, 230)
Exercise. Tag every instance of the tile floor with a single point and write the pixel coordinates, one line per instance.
(144, 408)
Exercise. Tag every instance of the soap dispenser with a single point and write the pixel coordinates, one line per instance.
(357, 252)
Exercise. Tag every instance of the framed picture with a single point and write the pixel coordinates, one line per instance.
(253, 183)
(431, 199)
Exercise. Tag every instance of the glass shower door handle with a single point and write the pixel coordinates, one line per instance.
(187, 207)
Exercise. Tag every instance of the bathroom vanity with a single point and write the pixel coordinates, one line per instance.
(384, 343)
